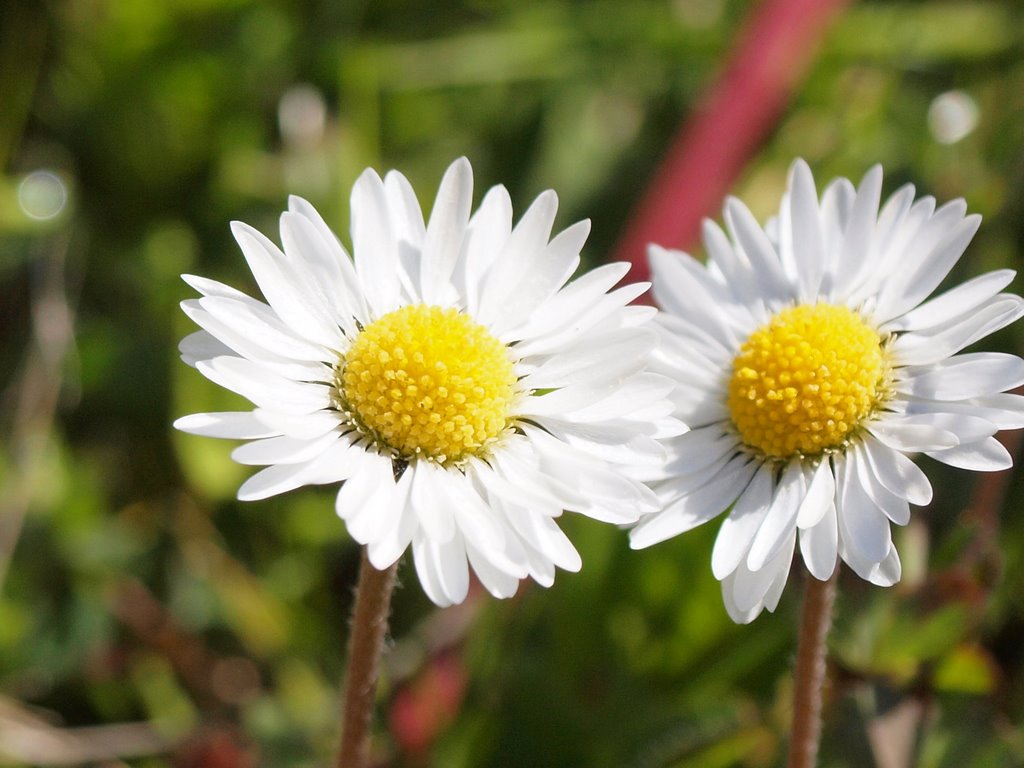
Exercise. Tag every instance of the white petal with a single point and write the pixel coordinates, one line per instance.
(517, 464)
(272, 481)
(696, 508)
(865, 530)
(364, 499)
(431, 502)
(986, 455)
(503, 495)
(334, 276)
(376, 255)
(234, 425)
(859, 232)
(528, 239)
(914, 281)
(338, 461)
(893, 506)
(899, 474)
(958, 378)
(955, 302)
(819, 545)
(264, 329)
(283, 283)
(209, 287)
(495, 581)
(552, 332)
(967, 428)
(585, 482)
(894, 239)
(780, 567)
(263, 387)
(670, 486)
(406, 216)
(620, 355)
(1006, 411)
(738, 616)
(894, 212)
(617, 442)
(445, 231)
(780, 521)
(837, 200)
(678, 357)
(249, 345)
(887, 572)
(918, 348)
(807, 239)
(427, 568)
(304, 426)
(202, 345)
(821, 493)
(731, 262)
(453, 568)
(475, 519)
(544, 274)
(282, 450)
(682, 293)
(539, 567)
(394, 538)
(986, 408)
(761, 589)
(544, 535)
(910, 433)
(603, 400)
(741, 525)
(442, 568)
(700, 448)
(488, 230)
(758, 250)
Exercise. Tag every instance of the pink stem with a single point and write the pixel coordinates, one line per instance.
(769, 60)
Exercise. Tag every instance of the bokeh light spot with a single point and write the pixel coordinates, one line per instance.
(42, 195)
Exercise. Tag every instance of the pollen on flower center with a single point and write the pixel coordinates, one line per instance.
(807, 379)
(428, 381)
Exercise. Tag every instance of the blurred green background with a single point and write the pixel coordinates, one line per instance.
(149, 619)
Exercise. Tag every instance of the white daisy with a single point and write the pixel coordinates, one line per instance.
(462, 393)
(808, 368)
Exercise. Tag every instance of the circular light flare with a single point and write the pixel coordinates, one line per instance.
(42, 195)
(952, 116)
(302, 116)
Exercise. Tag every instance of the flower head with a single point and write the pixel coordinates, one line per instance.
(809, 364)
(460, 389)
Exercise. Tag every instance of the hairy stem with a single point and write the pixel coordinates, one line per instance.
(369, 626)
(809, 680)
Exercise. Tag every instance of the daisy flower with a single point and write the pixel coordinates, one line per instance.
(460, 390)
(809, 365)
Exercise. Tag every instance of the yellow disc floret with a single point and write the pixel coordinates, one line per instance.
(806, 380)
(427, 381)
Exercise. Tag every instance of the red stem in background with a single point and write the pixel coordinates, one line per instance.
(770, 57)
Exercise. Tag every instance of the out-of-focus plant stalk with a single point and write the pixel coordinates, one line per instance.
(714, 144)
(369, 627)
(809, 679)
(35, 395)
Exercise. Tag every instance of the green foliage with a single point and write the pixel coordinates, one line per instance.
(140, 591)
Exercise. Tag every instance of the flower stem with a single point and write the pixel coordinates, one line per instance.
(810, 671)
(369, 626)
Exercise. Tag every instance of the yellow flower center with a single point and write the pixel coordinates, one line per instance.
(427, 381)
(807, 379)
